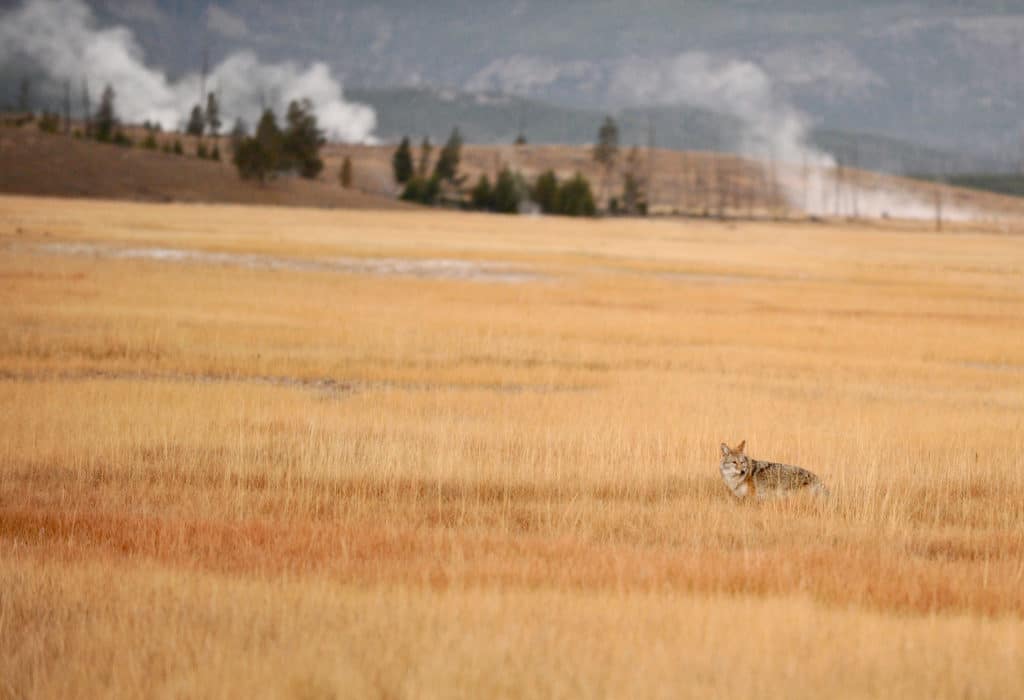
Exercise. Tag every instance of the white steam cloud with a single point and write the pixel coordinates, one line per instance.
(62, 38)
(774, 131)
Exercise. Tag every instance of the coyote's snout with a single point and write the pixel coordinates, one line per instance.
(748, 477)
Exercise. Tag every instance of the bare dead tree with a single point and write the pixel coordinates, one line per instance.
(822, 174)
(705, 179)
(855, 173)
(839, 186)
(86, 107)
(804, 180)
(750, 195)
(721, 190)
(773, 185)
(202, 75)
(1020, 152)
(682, 182)
(25, 95)
(650, 162)
(67, 106)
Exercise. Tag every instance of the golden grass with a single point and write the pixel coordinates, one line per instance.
(224, 481)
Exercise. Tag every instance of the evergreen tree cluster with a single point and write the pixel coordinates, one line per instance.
(106, 127)
(202, 122)
(504, 196)
(418, 186)
(574, 198)
(509, 189)
(272, 150)
(570, 198)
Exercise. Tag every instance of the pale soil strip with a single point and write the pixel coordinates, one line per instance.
(434, 268)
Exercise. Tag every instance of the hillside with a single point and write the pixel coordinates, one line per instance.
(496, 118)
(693, 183)
(1000, 183)
(698, 183)
(49, 164)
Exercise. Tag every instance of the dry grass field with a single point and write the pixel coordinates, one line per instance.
(262, 452)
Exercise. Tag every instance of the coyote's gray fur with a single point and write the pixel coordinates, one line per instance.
(748, 477)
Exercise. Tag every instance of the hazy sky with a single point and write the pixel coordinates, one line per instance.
(944, 73)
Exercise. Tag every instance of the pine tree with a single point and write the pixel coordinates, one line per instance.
(422, 190)
(575, 197)
(251, 160)
(506, 193)
(213, 122)
(302, 140)
(481, 197)
(269, 138)
(106, 117)
(426, 148)
(606, 150)
(545, 192)
(345, 174)
(447, 167)
(401, 162)
(238, 133)
(258, 156)
(196, 122)
(632, 185)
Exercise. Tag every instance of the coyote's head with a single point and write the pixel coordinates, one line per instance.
(735, 465)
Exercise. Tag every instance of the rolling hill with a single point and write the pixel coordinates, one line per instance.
(693, 183)
(53, 164)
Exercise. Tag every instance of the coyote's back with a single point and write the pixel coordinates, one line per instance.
(752, 478)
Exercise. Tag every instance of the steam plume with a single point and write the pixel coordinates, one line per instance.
(61, 38)
(775, 131)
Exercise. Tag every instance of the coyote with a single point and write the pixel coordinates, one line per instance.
(751, 477)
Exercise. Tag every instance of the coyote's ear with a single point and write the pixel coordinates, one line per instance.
(725, 450)
(739, 447)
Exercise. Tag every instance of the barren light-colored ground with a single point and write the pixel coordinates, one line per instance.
(304, 479)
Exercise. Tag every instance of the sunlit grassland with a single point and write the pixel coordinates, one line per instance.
(222, 480)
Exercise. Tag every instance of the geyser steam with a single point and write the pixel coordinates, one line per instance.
(61, 38)
(774, 131)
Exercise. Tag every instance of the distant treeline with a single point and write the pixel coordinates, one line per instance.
(264, 154)
(510, 192)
